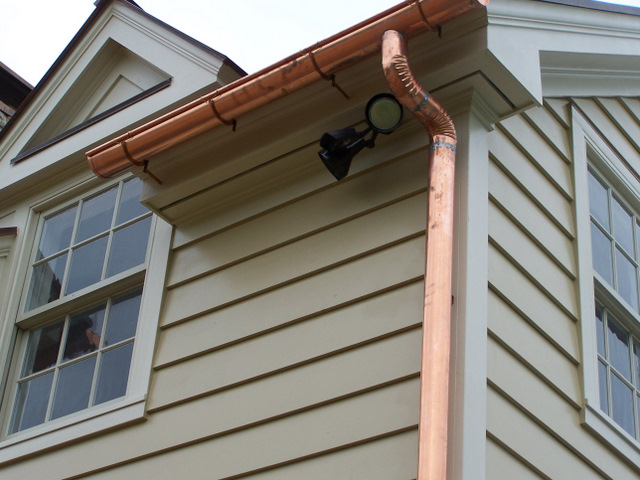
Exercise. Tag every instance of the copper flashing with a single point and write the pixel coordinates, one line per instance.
(436, 325)
(248, 93)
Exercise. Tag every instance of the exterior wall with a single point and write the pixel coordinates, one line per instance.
(289, 343)
(535, 394)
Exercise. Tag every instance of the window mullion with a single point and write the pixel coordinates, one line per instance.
(70, 249)
(608, 364)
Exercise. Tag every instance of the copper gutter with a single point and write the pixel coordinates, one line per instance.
(436, 325)
(225, 105)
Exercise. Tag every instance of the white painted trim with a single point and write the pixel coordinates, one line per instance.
(72, 428)
(150, 308)
(594, 420)
(468, 383)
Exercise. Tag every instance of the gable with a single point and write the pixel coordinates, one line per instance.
(122, 68)
(114, 76)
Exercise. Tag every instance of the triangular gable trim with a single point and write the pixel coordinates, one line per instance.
(93, 120)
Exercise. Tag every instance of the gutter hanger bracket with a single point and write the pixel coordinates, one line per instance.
(424, 17)
(230, 123)
(324, 76)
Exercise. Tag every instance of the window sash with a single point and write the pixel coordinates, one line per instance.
(119, 226)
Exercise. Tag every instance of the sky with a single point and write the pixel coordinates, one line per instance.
(252, 33)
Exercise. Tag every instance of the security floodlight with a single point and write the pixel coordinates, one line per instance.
(383, 115)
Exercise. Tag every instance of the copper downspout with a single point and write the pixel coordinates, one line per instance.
(436, 328)
(228, 103)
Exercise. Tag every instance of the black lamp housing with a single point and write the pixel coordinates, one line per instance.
(383, 114)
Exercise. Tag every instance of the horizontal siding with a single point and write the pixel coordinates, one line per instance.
(530, 259)
(535, 395)
(541, 154)
(531, 348)
(289, 343)
(246, 197)
(603, 121)
(232, 433)
(501, 464)
(386, 459)
(623, 119)
(312, 307)
(532, 304)
(532, 181)
(534, 444)
(553, 130)
(633, 107)
(241, 282)
(313, 432)
(531, 219)
(266, 354)
(268, 236)
(393, 309)
(561, 110)
(540, 425)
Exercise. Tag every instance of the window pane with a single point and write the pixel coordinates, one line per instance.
(46, 282)
(85, 330)
(600, 329)
(601, 254)
(74, 388)
(598, 202)
(42, 349)
(123, 318)
(627, 280)
(31, 402)
(622, 227)
(622, 403)
(130, 206)
(619, 348)
(86, 265)
(129, 247)
(114, 373)
(56, 233)
(96, 215)
(602, 381)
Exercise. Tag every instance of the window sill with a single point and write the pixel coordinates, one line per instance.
(611, 433)
(72, 427)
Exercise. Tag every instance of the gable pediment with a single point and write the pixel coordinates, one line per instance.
(113, 78)
(122, 68)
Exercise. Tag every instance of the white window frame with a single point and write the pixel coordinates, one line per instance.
(122, 411)
(589, 148)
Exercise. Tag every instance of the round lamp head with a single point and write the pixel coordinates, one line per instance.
(384, 113)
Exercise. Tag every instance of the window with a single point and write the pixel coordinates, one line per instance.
(76, 362)
(81, 305)
(93, 239)
(615, 247)
(618, 371)
(607, 209)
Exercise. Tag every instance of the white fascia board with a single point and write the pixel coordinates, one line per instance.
(576, 51)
